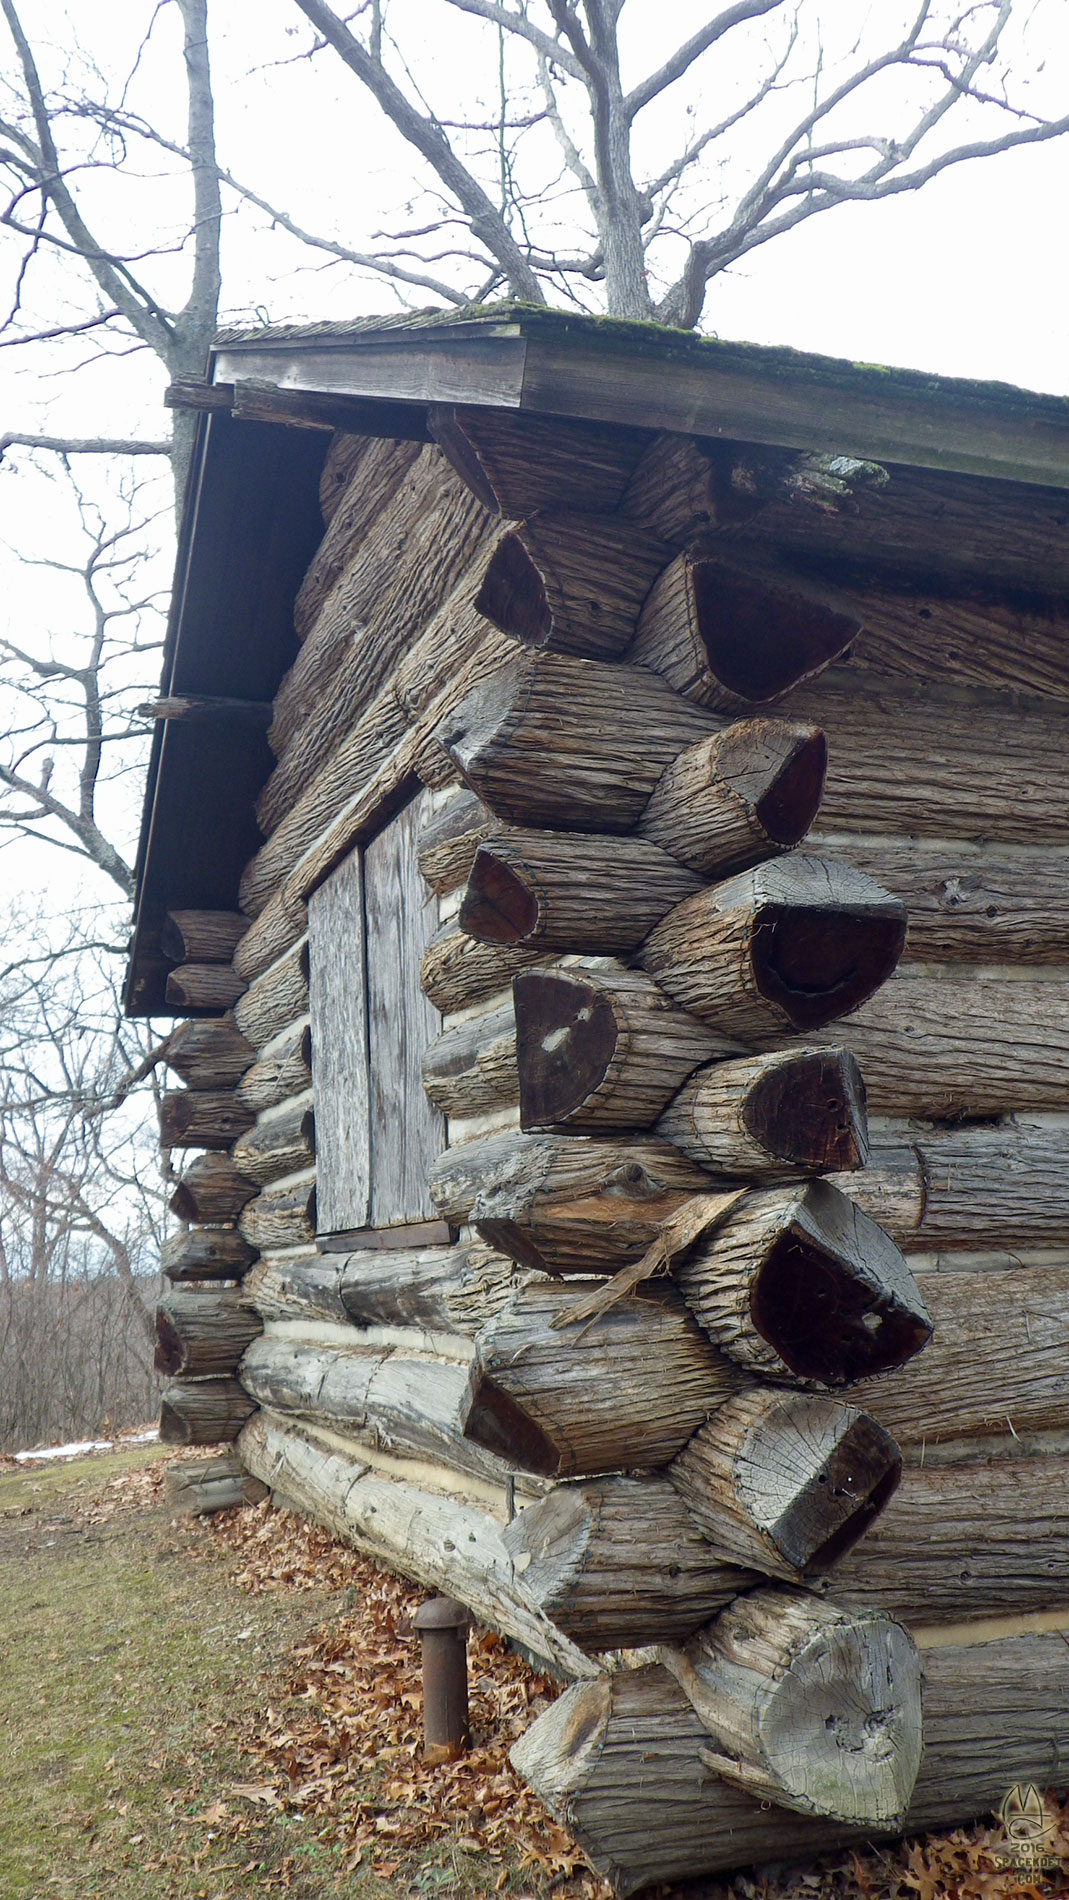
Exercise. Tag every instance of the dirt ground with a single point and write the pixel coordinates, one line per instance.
(200, 1709)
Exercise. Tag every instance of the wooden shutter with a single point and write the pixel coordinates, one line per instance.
(376, 1132)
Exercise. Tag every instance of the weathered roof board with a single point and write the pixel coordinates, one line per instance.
(252, 518)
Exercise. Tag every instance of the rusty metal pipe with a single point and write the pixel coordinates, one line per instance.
(443, 1631)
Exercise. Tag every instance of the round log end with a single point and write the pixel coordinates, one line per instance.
(566, 1036)
(827, 1321)
(491, 1418)
(809, 1110)
(513, 594)
(818, 964)
(499, 905)
(760, 640)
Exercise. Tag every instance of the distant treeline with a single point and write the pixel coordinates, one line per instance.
(75, 1358)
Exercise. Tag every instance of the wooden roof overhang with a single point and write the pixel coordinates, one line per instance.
(251, 523)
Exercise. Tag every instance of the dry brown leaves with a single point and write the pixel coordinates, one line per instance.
(341, 1741)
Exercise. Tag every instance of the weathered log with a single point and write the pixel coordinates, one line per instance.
(280, 924)
(281, 1217)
(997, 1366)
(203, 1411)
(203, 986)
(773, 1117)
(206, 1253)
(569, 1401)
(731, 638)
(387, 598)
(449, 838)
(472, 1068)
(791, 945)
(459, 970)
(798, 1283)
(621, 1763)
(202, 936)
(570, 743)
(198, 1486)
(518, 464)
(304, 1289)
(360, 489)
(566, 1204)
(276, 999)
(786, 1482)
(209, 709)
(969, 903)
(980, 1188)
(211, 1189)
(619, 1563)
(395, 1400)
(561, 891)
(344, 456)
(451, 1290)
(280, 1143)
(966, 635)
(288, 1071)
(568, 583)
(948, 1045)
(812, 1707)
(739, 796)
(601, 1049)
(203, 1331)
(201, 1118)
(984, 1538)
(964, 532)
(934, 735)
(440, 1539)
(209, 1055)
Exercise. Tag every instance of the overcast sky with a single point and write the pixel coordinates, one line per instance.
(967, 278)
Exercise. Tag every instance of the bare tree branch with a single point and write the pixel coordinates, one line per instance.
(83, 444)
(699, 43)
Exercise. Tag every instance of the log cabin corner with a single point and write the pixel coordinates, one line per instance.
(606, 847)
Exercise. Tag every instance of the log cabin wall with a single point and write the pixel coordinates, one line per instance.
(695, 729)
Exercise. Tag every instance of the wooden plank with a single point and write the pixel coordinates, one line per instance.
(480, 368)
(408, 1133)
(427, 1233)
(338, 995)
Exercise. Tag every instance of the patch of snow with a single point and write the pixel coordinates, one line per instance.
(85, 1445)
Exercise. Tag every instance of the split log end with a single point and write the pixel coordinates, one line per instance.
(809, 1110)
(499, 905)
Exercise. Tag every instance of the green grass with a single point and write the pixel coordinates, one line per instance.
(122, 1641)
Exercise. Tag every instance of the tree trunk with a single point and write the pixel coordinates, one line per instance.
(572, 583)
(201, 1118)
(602, 1049)
(576, 1401)
(203, 1331)
(211, 1189)
(206, 1253)
(790, 946)
(601, 895)
(203, 1411)
(786, 1482)
(557, 741)
(814, 1708)
(731, 639)
(773, 1117)
(740, 796)
(797, 1284)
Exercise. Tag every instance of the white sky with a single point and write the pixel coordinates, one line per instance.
(967, 278)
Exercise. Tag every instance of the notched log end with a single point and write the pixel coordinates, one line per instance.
(826, 1321)
(566, 1036)
(760, 638)
(817, 964)
(491, 1418)
(513, 594)
(795, 785)
(174, 1429)
(810, 1111)
(170, 1354)
(499, 905)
